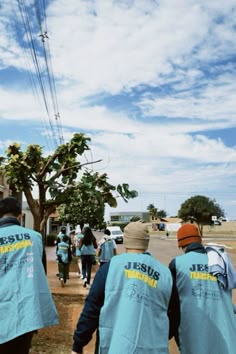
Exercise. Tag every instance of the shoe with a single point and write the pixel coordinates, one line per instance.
(67, 277)
(62, 282)
(81, 276)
(85, 282)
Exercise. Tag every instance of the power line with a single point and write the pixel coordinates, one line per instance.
(45, 83)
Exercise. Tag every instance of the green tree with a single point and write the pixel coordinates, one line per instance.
(161, 213)
(87, 203)
(135, 218)
(200, 209)
(54, 176)
(154, 212)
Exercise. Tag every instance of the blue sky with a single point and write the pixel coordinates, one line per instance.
(151, 82)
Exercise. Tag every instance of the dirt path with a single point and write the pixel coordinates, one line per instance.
(69, 302)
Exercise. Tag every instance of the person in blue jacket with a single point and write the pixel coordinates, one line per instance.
(77, 252)
(26, 304)
(106, 248)
(207, 323)
(128, 301)
(87, 246)
(62, 233)
(64, 259)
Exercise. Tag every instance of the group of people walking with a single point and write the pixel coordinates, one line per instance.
(84, 247)
(135, 303)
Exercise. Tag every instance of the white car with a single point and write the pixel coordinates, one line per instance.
(116, 233)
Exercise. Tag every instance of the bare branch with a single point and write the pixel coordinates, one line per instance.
(69, 168)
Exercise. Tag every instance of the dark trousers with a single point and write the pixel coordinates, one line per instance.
(86, 261)
(19, 345)
(63, 269)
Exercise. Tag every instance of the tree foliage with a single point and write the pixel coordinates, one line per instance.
(154, 212)
(200, 209)
(54, 177)
(87, 203)
(135, 218)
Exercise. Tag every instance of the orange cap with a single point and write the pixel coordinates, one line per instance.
(188, 233)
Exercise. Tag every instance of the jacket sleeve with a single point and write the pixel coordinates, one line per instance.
(174, 306)
(89, 318)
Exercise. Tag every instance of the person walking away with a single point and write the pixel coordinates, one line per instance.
(60, 236)
(77, 253)
(87, 246)
(64, 259)
(26, 302)
(106, 248)
(207, 322)
(63, 232)
(128, 301)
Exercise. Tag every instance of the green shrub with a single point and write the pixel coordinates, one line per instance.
(50, 240)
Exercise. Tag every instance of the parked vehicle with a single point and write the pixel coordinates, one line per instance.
(116, 233)
(216, 222)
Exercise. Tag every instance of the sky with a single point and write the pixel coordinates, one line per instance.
(151, 82)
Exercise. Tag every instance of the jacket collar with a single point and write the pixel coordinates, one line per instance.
(9, 221)
(195, 247)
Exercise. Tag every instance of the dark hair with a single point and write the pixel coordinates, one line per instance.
(65, 238)
(107, 232)
(63, 229)
(88, 236)
(10, 205)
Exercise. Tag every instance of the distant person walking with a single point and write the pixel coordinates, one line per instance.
(64, 259)
(106, 248)
(62, 233)
(87, 246)
(77, 252)
(207, 323)
(26, 304)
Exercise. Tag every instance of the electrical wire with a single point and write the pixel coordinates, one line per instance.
(33, 16)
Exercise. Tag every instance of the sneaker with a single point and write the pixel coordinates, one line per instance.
(85, 282)
(81, 276)
(62, 282)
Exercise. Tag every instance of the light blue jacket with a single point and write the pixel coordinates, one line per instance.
(62, 251)
(26, 303)
(207, 322)
(87, 250)
(107, 250)
(134, 316)
(76, 243)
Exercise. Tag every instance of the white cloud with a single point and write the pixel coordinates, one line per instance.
(145, 79)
